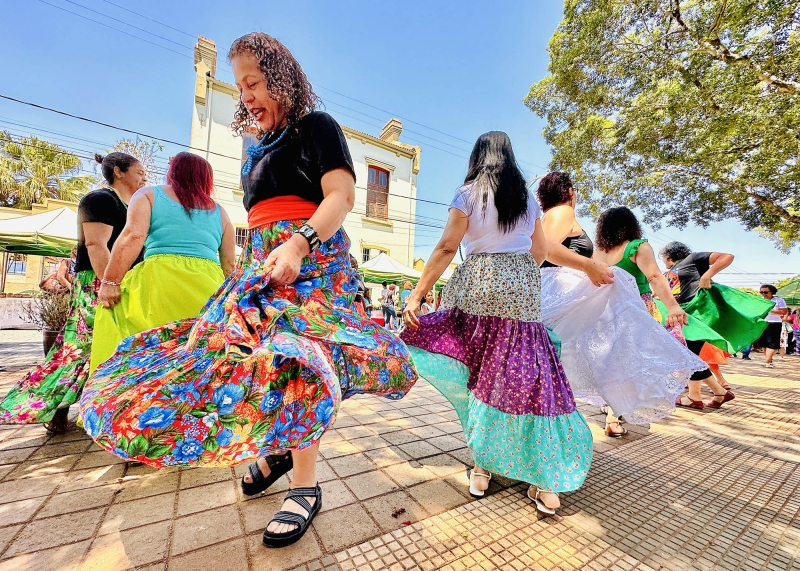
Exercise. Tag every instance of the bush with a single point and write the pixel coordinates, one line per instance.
(48, 310)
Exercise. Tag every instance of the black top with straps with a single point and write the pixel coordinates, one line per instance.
(295, 165)
(581, 245)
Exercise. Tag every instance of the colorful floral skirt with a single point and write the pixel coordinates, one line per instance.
(161, 289)
(262, 369)
(612, 349)
(487, 351)
(57, 383)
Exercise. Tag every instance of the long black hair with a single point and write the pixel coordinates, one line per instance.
(493, 169)
(616, 226)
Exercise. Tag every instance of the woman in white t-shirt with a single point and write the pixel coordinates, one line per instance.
(486, 348)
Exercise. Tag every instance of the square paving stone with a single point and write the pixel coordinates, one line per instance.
(125, 515)
(446, 442)
(55, 531)
(353, 464)
(99, 458)
(228, 556)
(206, 497)
(202, 476)
(17, 512)
(442, 465)
(65, 558)
(15, 456)
(343, 527)
(82, 479)
(336, 449)
(265, 559)
(205, 528)
(258, 511)
(30, 441)
(64, 449)
(149, 485)
(370, 484)
(69, 502)
(406, 474)
(419, 449)
(382, 508)
(437, 496)
(14, 490)
(7, 534)
(44, 467)
(128, 549)
(335, 495)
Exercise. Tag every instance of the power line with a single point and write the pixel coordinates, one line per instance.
(113, 28)
(148, 18)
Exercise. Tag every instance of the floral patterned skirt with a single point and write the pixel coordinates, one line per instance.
(262, 369)
(58, 382)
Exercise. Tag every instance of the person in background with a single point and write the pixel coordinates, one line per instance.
(361, 288)
(771, 338)
(427, 306)
(66, 269)
(46, 393)
(388, 307)
(189, 245)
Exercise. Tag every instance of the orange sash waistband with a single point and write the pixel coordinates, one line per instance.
(280, 208)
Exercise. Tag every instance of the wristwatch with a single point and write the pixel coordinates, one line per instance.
(310, 235)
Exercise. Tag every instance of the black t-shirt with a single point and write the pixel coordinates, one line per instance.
(105, 207)
(294, 167)
(689, 271)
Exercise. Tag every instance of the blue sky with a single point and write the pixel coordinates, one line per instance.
(451, 70)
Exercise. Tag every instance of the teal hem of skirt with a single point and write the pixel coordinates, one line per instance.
(553, 453)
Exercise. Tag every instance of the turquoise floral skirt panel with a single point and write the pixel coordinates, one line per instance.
(262, 368)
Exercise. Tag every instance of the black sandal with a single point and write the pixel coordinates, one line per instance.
(297, 495)
(278, 466)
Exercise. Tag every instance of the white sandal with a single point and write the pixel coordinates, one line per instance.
(473, 491)
(540, 505)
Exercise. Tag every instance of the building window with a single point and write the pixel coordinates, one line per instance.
(377, 193)
(249, 138)
(242, 234)
(368, 253)
(51, 266)
(17, 264)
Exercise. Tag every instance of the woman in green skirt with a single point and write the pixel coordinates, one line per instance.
(45, 394)
(189, 249)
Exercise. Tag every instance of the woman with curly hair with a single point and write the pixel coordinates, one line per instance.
(598, 324)
(261, 372)
(620, 243)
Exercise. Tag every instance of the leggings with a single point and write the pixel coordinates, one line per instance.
(695, 347)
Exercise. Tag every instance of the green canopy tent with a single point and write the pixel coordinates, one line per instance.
(790, 293)
(382, 268)
(51, 233)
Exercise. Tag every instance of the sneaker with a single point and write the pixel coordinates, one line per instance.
(769, 365)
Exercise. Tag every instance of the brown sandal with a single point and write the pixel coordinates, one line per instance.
(613, 434)
(728, 396)
(696, 404)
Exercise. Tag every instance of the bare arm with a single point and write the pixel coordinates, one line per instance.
(338, 188)
(558, 224)
(96, 236)
(718, 261)
(128, 246)
(538, 243)
(645, 258)
(63, 274)
(227, 248)
(441, 257)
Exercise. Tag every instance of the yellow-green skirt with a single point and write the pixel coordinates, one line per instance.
(162, 289)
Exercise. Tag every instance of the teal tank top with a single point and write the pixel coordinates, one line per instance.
(173, 231)
(626, 264)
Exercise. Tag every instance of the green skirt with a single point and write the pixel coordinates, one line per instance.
(724, 317)
(161, 289)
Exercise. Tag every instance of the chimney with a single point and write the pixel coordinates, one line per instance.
(206, 51)
(391, 131)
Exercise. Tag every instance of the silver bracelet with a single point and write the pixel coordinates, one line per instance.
(109, 282)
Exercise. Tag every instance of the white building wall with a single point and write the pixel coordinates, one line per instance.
(214, 140)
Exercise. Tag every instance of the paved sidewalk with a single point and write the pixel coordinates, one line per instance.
(700, 490)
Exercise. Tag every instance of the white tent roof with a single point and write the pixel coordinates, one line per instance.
(382, 263)
(61, 223)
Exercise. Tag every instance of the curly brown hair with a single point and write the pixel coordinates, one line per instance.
(286, 81)
(554, 190)
(616, 226)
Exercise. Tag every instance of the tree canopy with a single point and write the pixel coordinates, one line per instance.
(145, 152)
(32, 169)
(689, 111)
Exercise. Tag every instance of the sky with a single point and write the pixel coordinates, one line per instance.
(449, 70)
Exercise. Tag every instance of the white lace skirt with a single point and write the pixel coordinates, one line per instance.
(612, 350)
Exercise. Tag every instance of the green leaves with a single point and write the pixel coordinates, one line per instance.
(687, 110)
